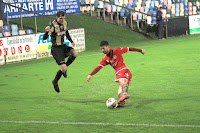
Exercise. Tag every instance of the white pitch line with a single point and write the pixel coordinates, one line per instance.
(101, 124)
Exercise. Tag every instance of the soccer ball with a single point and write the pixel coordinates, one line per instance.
(111, 103)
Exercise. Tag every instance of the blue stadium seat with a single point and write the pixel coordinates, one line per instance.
(154, 20)
(155, 8)
(128, 5)
(186, 9)
(193, 3)
(14, 29)
(122, 12)
(29, 31)
(96, 4)
(1, 35)
(152, 3)
(127, 13)
(116, 2)
(164, 7)
(154, 13)
(7, 28)
(161, 3)
(185, 4)
(133, 5)
(139, 15)
(168, 11)
(177, 5)
(15, 33)
(82, 2)
(146, 9)
(151, 8)
(135, 1)
(105, 5)
(112, 2)
(143, 3)
(114, 8)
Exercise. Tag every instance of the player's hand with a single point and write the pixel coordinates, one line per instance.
(143, 51)
(73, 44)
(47, 29)
(89, 78)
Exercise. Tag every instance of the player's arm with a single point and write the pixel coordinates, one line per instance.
(45, 36)
(69, 38)
(138, 50)
(96, 70)
(48, 31)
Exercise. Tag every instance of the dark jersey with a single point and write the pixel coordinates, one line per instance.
(58, 32)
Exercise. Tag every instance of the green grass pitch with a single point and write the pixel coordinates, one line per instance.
(164, 92)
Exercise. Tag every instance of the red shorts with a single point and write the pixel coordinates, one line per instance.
(124, 73)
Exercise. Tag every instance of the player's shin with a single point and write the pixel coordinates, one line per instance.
(58, 75)
(124, 88)
(70, 60)
(55, 81)
(122, 94)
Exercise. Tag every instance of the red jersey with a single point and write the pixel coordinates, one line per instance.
(114, 58)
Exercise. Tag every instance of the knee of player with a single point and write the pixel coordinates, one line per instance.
(64, 68)
(75, 54)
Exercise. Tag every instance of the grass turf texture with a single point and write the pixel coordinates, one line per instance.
(164, 89)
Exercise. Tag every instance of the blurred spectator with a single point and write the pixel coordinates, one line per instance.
(160, 18)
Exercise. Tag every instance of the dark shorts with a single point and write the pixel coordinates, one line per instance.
(59, 53)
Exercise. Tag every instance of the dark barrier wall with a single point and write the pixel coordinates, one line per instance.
(177, 26)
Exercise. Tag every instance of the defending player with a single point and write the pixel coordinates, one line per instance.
(58, 30)
(114, 58)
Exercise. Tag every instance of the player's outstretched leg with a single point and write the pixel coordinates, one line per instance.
(123, 95)
(55, 81)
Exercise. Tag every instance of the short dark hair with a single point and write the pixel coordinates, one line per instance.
(104, 43)
(60, 13)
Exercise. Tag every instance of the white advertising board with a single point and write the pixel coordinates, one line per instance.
(20, 48)
(194, 24)
(3, 41)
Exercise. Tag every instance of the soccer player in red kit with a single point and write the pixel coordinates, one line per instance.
(114, 58)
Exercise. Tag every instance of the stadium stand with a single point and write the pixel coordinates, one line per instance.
(172, 8)
(140, 15)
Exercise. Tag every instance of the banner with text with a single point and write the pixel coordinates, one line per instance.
(43, 7)
(3, 41)
(20, 48)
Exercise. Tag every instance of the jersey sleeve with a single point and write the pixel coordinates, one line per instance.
(121, 50)
(103, 62)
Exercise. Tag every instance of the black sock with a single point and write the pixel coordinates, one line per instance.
(70, 60)
(58, 75)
